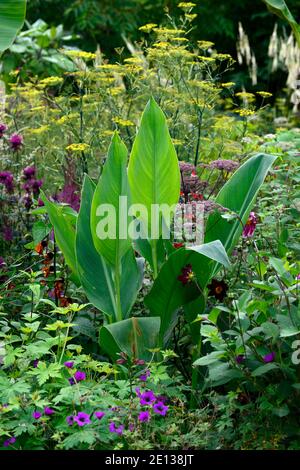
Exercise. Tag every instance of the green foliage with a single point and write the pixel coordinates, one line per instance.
(12, 15)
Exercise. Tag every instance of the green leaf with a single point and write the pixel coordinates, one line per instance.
(12, 15)
(238, 195)
(280, 8)
(209, 358)
(112, 184)
(264, 369)
(153, 170)
(134, 336)
(95, 273)
(168, 293)
(63, 221)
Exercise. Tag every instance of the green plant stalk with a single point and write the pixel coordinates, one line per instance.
(118, 291)
(154, 258)
(195, 376)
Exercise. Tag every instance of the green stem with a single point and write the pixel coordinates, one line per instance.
(118, 292)
(154, 258)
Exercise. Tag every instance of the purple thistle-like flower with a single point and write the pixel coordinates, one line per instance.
(9, 441)
(36, 415)
(6, 178)
(48, 411)
(118, 430)
(160, 408)
(70, 420)
(144, 416)
(145, 376)
(16, 141)
(69, 364)
(79, 376)
(70, 194)
(270, 357)
(29, 172)
(147, 398)
(239, 358)
(82, 418)
(99, 414)
(250, 225)
(3, 129)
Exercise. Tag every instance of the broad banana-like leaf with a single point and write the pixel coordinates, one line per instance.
(153, 170)
(280, 8)
(134, 336)
(96, 274)
(238, 195)
(112, 184)
(12, 16)
(63, 221)
(168, 293)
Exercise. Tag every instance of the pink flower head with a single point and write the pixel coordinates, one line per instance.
(147, 398)
(48, 411)
(118, 430)
(269, 357)
(160, 408)
(16, 141)
(29, 172)
(250, 225)
(144, 416)
(82, 418)
(36, 415)
(69, 364)
(99, 414)
(3, 129)
(79, 376)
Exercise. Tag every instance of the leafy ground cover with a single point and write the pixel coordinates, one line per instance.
(148, 343)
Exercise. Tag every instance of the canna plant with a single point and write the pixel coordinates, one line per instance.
(106, 266)
(12, 15)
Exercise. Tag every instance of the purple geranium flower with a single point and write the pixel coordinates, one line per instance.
(160, 408)
(35, 363)
(48, 411)
(118, 430)
(82, 418)
(72, 381)
(250, 225)
(69, 364)
(36, 415)
(147, 398)
(144, 416)
(145, 376)
(16, 141)
(70, 420)
(270, 357)
(9, 441)
(99, 414)
(3, 129)
(79, 376)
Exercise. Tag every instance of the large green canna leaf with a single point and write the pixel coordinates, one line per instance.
(153, 170)
(238, 195)
(280, 8)
(134, 336)
(12, 15)
(168, 293)
(63, 220)
(96, 275)
(112, 184)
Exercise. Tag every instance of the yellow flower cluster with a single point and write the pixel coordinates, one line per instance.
(50, 81)
(244, 95)
(264, 94)
(190, 17)
(204, 45)
(66, 118)
(77, 147)
(169, 32)
(227, 84)
(123, 122)
(38, 130)
(186, 5)
(245, 112)
(76, 54)
(147, 28)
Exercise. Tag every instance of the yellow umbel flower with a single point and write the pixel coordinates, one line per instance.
(264, 94)
(77, 147)
(50, 81)
(147, 28)
(79, 54)
(123, 122)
